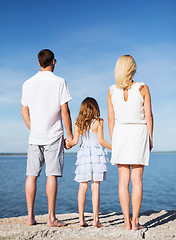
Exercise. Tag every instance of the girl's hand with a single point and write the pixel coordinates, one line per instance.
(101, 139)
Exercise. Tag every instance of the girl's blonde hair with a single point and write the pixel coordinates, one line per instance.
(124, 71)
(89, 110)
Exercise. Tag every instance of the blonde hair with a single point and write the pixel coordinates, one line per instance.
(89, 110)
(124, 71)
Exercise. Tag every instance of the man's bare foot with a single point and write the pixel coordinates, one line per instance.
(55, 223)
(31, 222)
(97, 224)
(137, 227)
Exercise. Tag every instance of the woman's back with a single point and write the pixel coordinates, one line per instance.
(130, 109)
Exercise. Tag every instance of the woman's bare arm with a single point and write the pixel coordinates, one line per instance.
(111, 115)
(148, 113)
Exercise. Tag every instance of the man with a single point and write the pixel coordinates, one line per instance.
(45, 99)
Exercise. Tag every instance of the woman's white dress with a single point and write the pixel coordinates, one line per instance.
(130, 140)
(92, 159)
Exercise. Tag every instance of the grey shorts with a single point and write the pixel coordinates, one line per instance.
(52, 155)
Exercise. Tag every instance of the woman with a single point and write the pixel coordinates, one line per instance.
(130, 125)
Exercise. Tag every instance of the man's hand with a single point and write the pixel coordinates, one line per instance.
(26, 116)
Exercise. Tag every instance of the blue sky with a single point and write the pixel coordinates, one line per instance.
(87, 38)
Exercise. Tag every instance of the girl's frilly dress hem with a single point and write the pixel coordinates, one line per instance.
(92, 159)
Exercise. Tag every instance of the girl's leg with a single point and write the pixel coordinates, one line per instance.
(136, 178)
(83, 186)
(96, 202)
(124, 196)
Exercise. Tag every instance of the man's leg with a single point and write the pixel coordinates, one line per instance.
(30, 188)
(35, 162)
(54, 159)
(51, 192)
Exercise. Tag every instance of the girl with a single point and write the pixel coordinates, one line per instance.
(92, 156)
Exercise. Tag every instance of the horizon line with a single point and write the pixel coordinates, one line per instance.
(67, 153)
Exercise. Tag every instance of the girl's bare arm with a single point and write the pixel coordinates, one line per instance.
(101, 139)
(75, 139)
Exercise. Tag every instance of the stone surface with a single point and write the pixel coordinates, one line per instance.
(158, 225)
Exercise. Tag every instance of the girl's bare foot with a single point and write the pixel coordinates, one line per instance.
(55, 223)
(137, 226)
(97, 224)
(127, 226)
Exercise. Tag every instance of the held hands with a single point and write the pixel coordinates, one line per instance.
(66, 143)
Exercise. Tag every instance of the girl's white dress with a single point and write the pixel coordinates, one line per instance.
(92, 159)
(130, 140)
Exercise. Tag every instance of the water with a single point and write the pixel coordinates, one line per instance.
(159, 187)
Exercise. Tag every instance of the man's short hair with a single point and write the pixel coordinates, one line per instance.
(45, 57)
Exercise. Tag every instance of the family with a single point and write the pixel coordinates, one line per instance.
(45, 98)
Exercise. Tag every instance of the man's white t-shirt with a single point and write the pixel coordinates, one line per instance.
(44, 94)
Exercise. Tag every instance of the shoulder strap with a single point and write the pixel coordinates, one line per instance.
(92, 124)
(137, 85)
(111, 88)
(142, 83)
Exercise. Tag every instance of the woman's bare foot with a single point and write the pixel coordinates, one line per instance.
(31, 222)
(55, 223)
(97, 224)
(84, 224)
(137, 226)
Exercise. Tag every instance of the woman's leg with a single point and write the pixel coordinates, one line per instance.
(83, 186)
(124, 196)
(96, 202)
(136, 198)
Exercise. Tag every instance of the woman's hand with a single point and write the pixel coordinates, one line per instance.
(66, 144)
(150, 144)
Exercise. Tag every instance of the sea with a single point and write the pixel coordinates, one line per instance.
(159, 187)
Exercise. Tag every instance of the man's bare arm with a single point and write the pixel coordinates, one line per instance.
(26, 116)
(65, 112)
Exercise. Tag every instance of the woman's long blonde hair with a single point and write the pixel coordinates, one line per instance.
(124, 71)
(89, 110)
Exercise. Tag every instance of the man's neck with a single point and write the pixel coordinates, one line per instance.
(49, 68)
